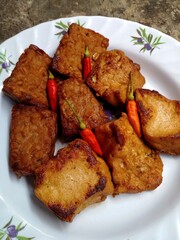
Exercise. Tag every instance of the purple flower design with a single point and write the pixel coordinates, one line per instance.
(5, 62)
(147, 46)
(139, 40)
(147, 41)
(10, 231)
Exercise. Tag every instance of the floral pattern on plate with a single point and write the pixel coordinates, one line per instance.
(5, 62)
(10, 231)
(64, 27)
(147, 41)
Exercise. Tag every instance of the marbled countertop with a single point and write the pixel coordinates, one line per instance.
(18, 15)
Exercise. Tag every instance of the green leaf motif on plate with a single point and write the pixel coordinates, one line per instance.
(63, 27)
(147, 41)
(10, 231)
(5, 62)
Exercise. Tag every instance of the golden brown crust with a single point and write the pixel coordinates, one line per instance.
(70, 52)
(32, 138)
(27, 83)
(134, 166)
(160, 120)
(88, 109)
(111, 74)
(74, 179)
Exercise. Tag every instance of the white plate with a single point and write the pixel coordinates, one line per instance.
(147, 215)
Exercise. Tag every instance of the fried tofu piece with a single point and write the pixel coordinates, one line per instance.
(32, 138)
(84, 103)
(110, 77)
(133, 165)
(70, 52)
(28, 80)
(74, 179)
(160, 120)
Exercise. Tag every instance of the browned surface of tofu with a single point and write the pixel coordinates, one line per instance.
(32, 138)
(28, 80)
(74, 179)
(110, 77)
(84, 103)
(69, 55)
(160, 120)
(134, 166)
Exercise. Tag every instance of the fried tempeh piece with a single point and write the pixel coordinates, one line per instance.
(160, 120)
(110, 77)
(85, 105)
(70, 52)
(74, 179)
(32, 138)
(134, 166)
(27, 83)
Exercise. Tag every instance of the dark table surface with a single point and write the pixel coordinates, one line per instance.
(17, 15)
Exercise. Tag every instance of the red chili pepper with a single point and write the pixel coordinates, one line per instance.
(132, 111)
(90, 138)
(52, 92)
(87, 133)
(86, 63)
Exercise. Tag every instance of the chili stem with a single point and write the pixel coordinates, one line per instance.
(82, 125)
(51, 76)
(131, 92)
